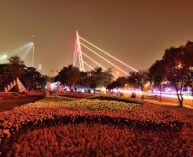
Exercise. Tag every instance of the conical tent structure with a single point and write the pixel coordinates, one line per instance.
(17, 83)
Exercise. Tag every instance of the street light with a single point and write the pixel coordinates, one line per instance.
(32, 44)
(3, 57)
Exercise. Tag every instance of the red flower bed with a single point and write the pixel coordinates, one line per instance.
(146, 118)
(86, 139)
(75, 94)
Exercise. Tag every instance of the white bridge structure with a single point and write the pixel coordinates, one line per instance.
(82, 59)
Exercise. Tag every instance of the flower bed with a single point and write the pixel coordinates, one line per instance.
(144, 117)
(51, 111)
(94, 139)
(115, 98)
(75, 94)
(63, 102)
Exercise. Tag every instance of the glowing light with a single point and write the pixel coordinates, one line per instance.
(54, 86)
(25, 54)
(31, 43)
(21, 50)
(3, 57)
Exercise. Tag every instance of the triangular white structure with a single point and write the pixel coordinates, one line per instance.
(20, 86)
(17, 82)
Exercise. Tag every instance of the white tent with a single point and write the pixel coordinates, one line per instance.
(17, 83)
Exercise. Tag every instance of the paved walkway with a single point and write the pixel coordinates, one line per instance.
(163, 103)
(11, 102)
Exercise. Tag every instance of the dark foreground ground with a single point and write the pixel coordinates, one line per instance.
(9, 102)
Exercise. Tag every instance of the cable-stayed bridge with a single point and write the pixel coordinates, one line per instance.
(88, 56)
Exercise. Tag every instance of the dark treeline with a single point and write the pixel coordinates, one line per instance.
(71, 76)
(175, 68)
(15, 68)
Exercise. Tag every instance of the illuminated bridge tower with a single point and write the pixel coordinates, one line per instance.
(78, 53)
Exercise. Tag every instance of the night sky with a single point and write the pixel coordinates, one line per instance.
(135, 31)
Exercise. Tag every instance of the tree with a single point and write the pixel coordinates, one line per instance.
(2, 77)
(188, 54)
(84, 79)
(177, 68)
(188, 50)
(156, 74)
(179, 78)
(138, 79)
(49, 78)
(107, 77)
(32, 79)
(121, 81)
(98, 78)
(113, 85)
(118, 83)
(16, 67)
(69, 76)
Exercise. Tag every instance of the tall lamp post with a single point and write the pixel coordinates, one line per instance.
(32, 44)
(32, 54)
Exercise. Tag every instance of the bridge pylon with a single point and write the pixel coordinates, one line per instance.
(78, 53)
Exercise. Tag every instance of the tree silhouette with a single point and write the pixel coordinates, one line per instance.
(84, 79)
(156, 74)
(15, 68)
(138, 79)
(118, 83)
(99, 78)
(32, 79)
(177, 69)
(69, 76)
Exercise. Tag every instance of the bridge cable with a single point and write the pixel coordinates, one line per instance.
(97, 63)
(88, 65)
(126, 73)
(101, 50)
